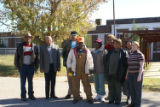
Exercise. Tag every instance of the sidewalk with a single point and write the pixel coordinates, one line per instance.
(153, 71)
(10, 94)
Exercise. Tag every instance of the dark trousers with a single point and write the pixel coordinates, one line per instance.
(114, 90)
(135, 89)
(26, 72)
(50, 79)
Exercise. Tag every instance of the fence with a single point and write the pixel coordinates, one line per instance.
(5, 51)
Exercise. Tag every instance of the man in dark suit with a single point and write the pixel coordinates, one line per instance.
(49, 64)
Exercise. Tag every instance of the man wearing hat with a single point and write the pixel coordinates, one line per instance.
(98, 56)
(79, 63)
(27, 62)
(68, 45)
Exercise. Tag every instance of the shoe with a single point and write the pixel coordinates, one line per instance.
(130, 105)
(32, 97)
(54, 97)
(47, 98)
(75, 101)
(98, 97)
(23, 98)
(67, 96)
(90, 101)
(111, 102)
(102, 99)
(117, 103)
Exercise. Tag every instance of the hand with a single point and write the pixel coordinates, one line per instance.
(69, 69)
(59, 69)
(139, 78)
(126, 78)
(41, 71)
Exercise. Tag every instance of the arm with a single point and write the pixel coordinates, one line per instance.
(41, 60)
(69, 59)
(16, 58)
(141, 68)
(58, 60)
(37, 58)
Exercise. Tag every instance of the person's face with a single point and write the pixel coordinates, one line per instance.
(97, 46)
(74, 38)
(134, 47)
(129, 45)
(27, 39)
(80, 45)
(116, 45)
(109, 41)
(48, 40)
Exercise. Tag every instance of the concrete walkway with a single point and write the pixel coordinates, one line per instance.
(153, 71)
(10, 94)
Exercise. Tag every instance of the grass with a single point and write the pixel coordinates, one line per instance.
(151, 84)
(7, 67)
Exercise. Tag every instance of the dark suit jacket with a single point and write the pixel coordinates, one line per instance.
(45, 58)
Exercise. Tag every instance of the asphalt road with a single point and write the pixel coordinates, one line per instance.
(10, 95)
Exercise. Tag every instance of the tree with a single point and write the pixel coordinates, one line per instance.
(55, 17)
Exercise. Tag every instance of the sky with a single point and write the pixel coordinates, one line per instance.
(127, 9)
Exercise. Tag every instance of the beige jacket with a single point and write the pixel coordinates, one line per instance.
(71, 61)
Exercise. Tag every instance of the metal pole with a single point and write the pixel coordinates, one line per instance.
(114, 19)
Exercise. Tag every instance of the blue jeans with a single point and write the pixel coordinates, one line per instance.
(26, 72)
(135, 89)
(99, 83)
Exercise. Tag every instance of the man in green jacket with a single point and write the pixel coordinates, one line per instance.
(68, 45)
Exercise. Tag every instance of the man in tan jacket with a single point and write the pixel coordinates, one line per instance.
(80, 62)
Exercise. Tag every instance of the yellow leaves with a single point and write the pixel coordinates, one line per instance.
(36, 15)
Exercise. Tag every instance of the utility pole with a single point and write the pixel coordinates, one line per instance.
(114, 21)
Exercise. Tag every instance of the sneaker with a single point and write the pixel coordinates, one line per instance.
(23, 98)
(75, 101)
(98, 97)
(32, 97)
(67, 96)
(102, 99)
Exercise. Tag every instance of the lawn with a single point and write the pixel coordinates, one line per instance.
(7, 67)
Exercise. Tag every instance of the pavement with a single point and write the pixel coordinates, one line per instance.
(153, 71)
(10, 95)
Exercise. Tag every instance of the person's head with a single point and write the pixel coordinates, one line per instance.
(73, 35)
(28, 38)
(48, 40)
(135, 45)
(80, 42)
(110, 39)
(129, 45)
(117, 43)
(98, 43)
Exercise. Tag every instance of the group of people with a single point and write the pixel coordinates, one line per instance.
(121, 68)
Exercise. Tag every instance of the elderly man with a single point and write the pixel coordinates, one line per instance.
(49, 64)
(27, 62)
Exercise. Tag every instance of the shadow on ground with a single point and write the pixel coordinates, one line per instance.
(41, 102)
